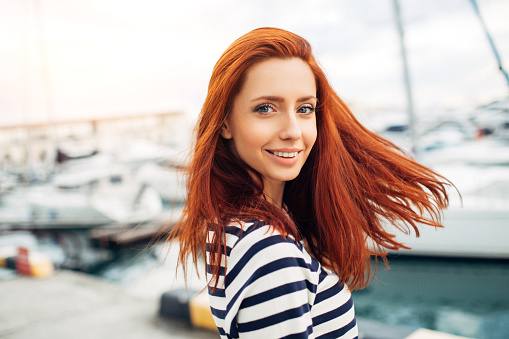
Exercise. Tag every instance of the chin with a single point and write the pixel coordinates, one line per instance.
(288, 177)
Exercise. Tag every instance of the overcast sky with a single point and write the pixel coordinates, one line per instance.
(103, 58)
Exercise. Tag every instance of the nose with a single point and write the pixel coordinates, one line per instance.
(290, 128)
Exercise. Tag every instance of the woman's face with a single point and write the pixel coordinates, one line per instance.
(272, 122)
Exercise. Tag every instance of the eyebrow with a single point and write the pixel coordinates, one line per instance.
(281, 99)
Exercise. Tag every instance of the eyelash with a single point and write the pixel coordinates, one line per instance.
(267, 105)
(309, 107)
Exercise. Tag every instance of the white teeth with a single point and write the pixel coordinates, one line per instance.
(285, 154)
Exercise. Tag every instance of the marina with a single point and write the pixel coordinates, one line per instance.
(99, 216)
(96, 122)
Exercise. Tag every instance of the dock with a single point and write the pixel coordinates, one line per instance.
(123, 236)
(115, 237)
(75, 305)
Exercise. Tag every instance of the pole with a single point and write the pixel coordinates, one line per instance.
(414, 133)
(45, 73)
(490, 40)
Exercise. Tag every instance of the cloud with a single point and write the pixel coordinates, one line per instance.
(126, 57)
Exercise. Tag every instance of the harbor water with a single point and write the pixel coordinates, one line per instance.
(466, 297)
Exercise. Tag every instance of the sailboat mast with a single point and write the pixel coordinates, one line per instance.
(414, 133)
(44, 60)
(45, 74)
(490, 40)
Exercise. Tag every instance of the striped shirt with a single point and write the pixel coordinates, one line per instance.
(273, 288)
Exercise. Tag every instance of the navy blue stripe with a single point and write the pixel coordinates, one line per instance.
(322, 276)
(339, 332)
(277, 292)
(336, 313)
(233, 230)
(303, 335)
(218, 292)
(274, 319)
(266, 269)
(228, 249)
(234, 333)
(330, 292)
(218, 313)
(221, 270)
(260, 245)
(221, 330)
(256, 224)
(314, 266)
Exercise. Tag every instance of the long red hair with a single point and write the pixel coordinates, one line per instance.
(351, 185)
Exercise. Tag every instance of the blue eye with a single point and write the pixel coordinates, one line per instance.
(306, 110)
(264, 109)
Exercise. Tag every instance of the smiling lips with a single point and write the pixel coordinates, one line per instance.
(284, 154)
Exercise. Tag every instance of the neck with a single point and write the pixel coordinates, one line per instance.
(273, 192)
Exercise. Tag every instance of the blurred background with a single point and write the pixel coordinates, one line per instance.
(98, 100)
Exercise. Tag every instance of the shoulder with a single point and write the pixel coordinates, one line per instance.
(261, 250)
(256, 235)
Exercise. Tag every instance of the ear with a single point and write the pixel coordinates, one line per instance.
(225, 131)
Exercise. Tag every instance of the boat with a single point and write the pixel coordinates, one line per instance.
(160, 167)
(483, 152)
(474, 155)
(493, 119)
(476, 225)
(87, 196)
(7, 182)
(166, 177)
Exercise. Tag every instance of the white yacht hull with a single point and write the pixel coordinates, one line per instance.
(466, 234)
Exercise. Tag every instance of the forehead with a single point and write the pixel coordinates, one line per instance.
(277, 76)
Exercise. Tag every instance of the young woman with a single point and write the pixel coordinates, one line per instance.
(289, 195)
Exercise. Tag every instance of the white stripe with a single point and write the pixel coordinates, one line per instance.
(291, 326)
(353, 333)
(260, 259)
(276, 305)
(331, 303)
(335, 323)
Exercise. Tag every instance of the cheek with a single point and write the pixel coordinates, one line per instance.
(254, 134)
(310, 133)
(248, 140)
(251, 142)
